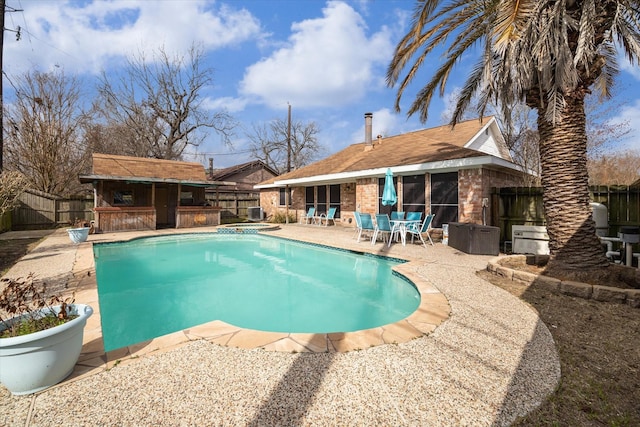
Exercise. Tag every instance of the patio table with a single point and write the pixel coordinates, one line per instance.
(400, 226)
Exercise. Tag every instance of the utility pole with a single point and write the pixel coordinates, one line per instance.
(2, 5)
(286, 187)
(3, 9)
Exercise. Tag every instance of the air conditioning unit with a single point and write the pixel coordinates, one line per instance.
(254, 213)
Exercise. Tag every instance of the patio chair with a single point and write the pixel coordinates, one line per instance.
(366, 225)
(383, 228)
(356, 217)
(414, 216)
(328, 217)
(423, 229)
(397, 215)
(309, 216)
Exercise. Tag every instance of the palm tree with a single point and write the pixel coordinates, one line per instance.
(546, 53)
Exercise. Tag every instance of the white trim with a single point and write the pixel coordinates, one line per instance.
(432, 167)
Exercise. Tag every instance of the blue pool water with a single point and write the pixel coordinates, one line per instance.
(154, 286)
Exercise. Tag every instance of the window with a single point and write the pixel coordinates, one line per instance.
(283, 195)
(123, 198)
(413, 189)
(186, 198)
(444, 198)
(334, 198)
(321, 206)
(317, 197)
(309, 198)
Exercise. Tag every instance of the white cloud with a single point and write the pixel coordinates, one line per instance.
(329, 61)
(87, 37)
(230, 104)
(627, 66)
(629, 114)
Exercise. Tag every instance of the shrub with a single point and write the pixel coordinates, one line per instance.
(22, 303)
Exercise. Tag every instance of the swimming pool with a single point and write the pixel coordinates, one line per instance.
(154, 286)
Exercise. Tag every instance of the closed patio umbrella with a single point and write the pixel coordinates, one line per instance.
(389, 197)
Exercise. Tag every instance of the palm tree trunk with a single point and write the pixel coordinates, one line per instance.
(563, 155)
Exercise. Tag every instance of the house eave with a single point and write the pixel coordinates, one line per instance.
(431, 167)
(149, 180)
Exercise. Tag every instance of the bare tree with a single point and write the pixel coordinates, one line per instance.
(12, 185)
(43, 129)
(602, 134)
(155, 107)
(269, 144)
(619, 168)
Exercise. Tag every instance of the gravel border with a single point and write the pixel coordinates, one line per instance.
(492, 361)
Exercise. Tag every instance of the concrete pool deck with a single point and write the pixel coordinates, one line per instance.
(473, 354)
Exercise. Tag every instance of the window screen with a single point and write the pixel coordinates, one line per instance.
(283, 196)
(309, 198)
(334, 198)
(444, 198)
(321, 206)
(413, 199)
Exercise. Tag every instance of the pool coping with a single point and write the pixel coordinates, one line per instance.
(432, 311)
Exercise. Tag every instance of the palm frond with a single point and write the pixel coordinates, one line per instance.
(555, 106)
(586, 49)
(609, 68)
(625, 31)
(511, 17)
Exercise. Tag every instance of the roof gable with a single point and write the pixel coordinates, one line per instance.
(489, 140)
(138, 167)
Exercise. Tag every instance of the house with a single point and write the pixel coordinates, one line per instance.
(244, 176)
(235, 199)
(448, 172)
(133, 193)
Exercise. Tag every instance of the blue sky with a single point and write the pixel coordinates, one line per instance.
(327, 59)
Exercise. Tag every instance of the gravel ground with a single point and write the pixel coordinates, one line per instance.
(492, 361)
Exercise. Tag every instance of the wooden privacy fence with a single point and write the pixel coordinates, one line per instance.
(234, 205)
(523, 206)
(41, 210)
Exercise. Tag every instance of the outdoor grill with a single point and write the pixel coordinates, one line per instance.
(629, 236)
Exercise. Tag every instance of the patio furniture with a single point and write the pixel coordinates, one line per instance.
(366, 225)
(397, 215)
(414, 216)
(416, 230)
(328, 217)
(383, 228)
(309, 216)
(356, 216)
(399, 227)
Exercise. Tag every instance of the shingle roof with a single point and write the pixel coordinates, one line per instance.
(137, 167)
(422, 146)
(231, 170)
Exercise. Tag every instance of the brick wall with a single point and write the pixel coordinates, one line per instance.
(476, 184)
(367, 195)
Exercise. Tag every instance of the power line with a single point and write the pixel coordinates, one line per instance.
(206, 153)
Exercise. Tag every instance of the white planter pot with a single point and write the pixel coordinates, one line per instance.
(33, 362)
(78, 235)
